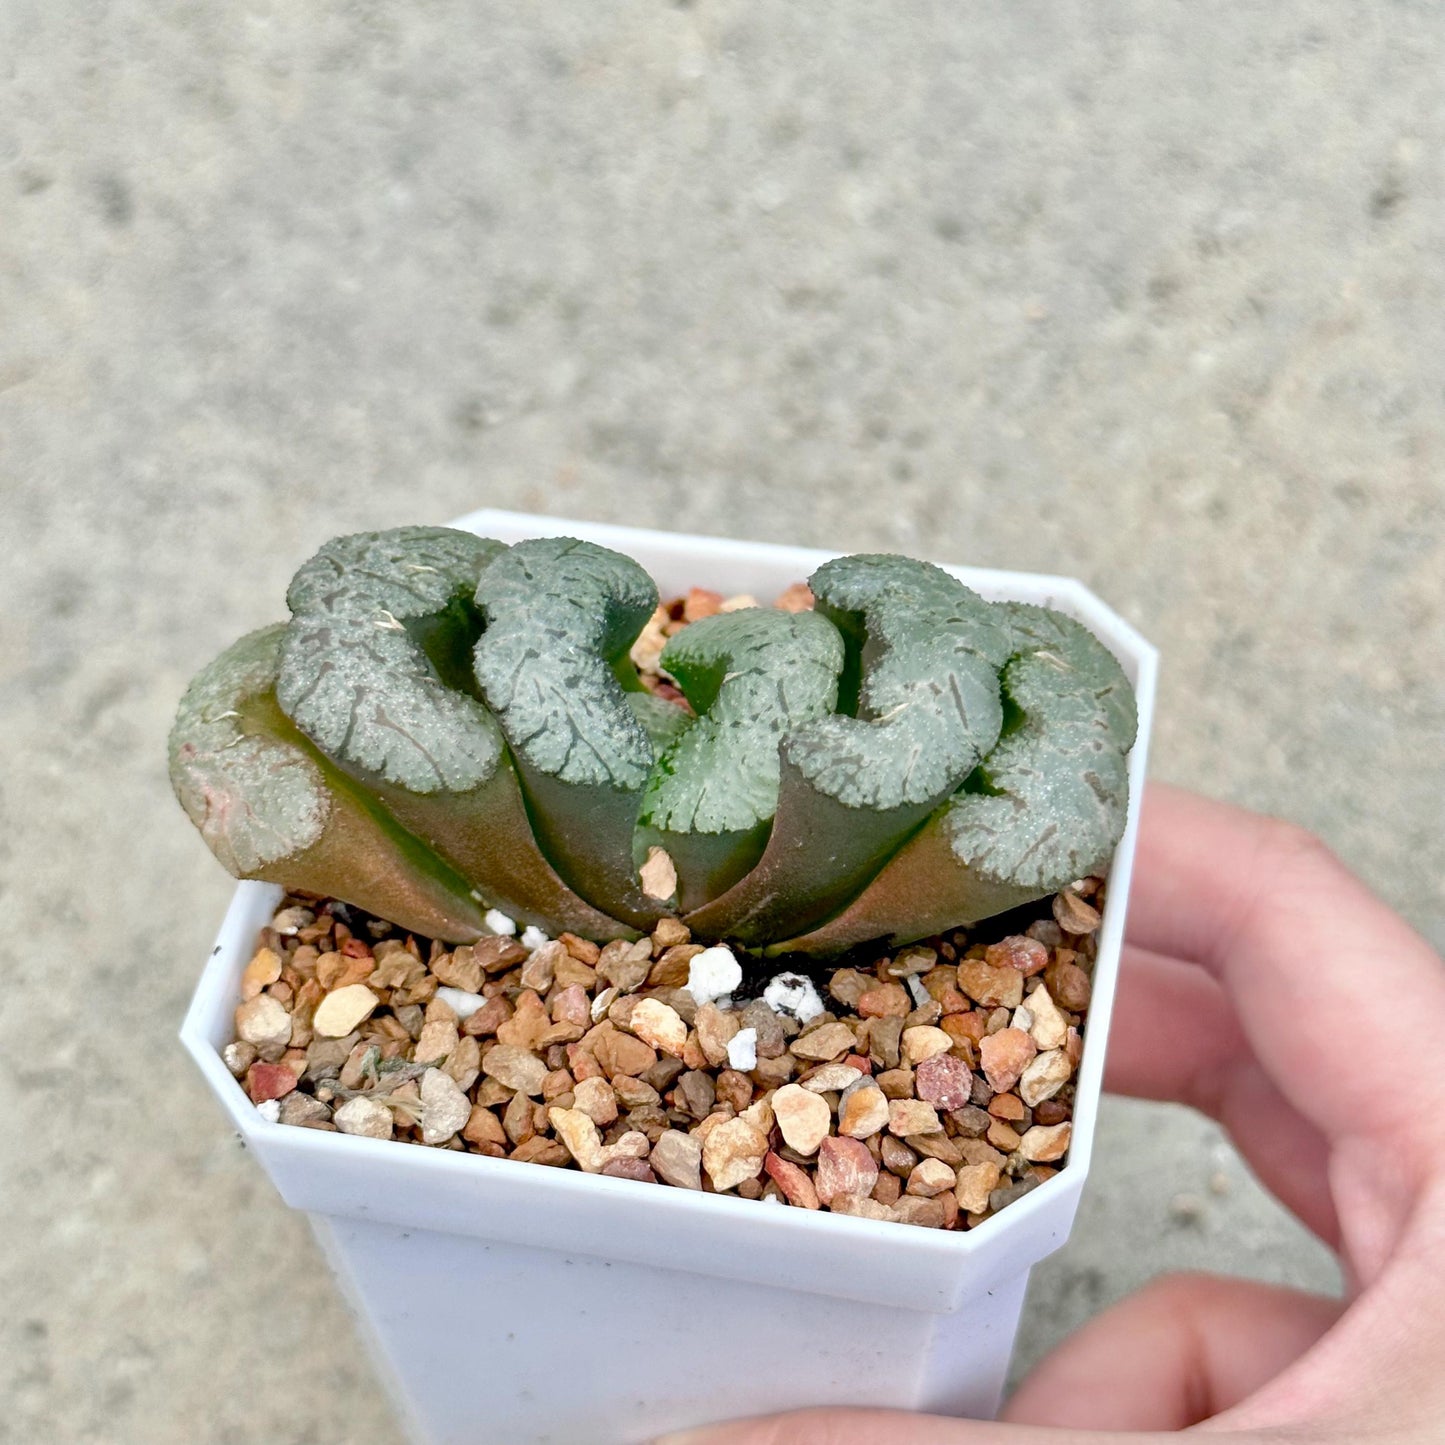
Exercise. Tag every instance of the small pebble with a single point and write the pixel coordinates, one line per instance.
(499, 923)
(827, 1041)
(601, 1003)
(828, 1078)
(910, 1117)
(364, 1116)
(262, 1021)
(1044, 1143)
(930, 1177)
(797, 1187)
(1073, 915)
(992, 987)
(923, 1042)
(974, 1183)
(262, 971)
(887, 1000)
(896, 1156)
(625, 1167)
(658, 875)
(660, 1026)
(1005, 1055)
(863, 1111)
(677, 1159)
(1049, 1028)
(240, 1055)
(270, 1110)
(803, 1117)
(944, 1081)
(516, 1068)
(598, 1100)
(436, 1041)
(343, 1010)
(862, 1206)
(269, 1081)
(845, 1167)
(300, 1110)
(1018, 951)
(444, 1108)
(733, 1151)
(1044, 1077)
(580, 1135)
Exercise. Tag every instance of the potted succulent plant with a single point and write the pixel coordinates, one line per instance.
(728, 898)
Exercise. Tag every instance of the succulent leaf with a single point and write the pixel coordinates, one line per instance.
(751, 676)
(1047, 806)
(271, 807)
(447, 725)
(922, 675)
(662, 720)
(358, 680)
(560, 616)
(375, 670)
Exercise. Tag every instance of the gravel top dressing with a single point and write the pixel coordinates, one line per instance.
(930, 1086)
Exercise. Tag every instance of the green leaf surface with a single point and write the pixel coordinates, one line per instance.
(751, 676)
(1055, 791)
(376, 671)
(923, 653)
(1047, 806)
(552, 664)
(663, 720)
(271, 807)
(369, 612)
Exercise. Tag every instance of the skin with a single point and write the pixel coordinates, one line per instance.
(1264, 985)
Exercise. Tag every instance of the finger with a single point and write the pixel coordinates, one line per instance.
(1174, 1034)
(1175, 1037)
(1319, 972)
(1183, 1349)
(890, 1427)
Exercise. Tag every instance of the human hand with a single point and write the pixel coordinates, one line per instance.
(1263, 984)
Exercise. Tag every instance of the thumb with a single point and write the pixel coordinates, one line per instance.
(890, 1427)
(1182, 1349)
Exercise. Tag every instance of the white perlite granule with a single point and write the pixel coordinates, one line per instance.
(460, 1002)
(498, 922)
(713, 974)
(533, 937)
(794, 995)
(743, 1051)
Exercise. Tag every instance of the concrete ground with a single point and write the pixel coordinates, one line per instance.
(1150, 294)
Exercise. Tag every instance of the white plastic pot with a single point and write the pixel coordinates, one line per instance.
(512, 1304)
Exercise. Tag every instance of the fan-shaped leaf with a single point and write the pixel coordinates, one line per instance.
(560, 616)
(922, 677)
(751, 676)
(271, 807)
(375, 670)
(1048, 804)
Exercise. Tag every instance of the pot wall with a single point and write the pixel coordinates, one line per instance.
(515, 1303)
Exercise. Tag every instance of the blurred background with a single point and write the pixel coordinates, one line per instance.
(1148, 293)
